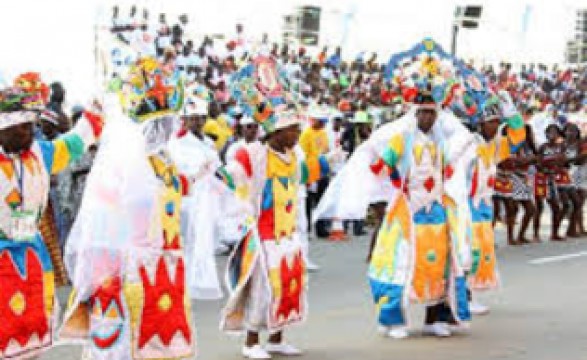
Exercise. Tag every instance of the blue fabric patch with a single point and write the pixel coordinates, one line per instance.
(395, 174)
(390, 313)
(483, 213)
(17, 250)
(48, 152)
(324, 167)
(462, 300)
(267, 202)
(514, 148)
(175, 182)
(284, 181)
(170, 208)
(437, 215)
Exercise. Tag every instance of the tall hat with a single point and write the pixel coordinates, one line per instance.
(451, 83)
(262, 90)
(19, 103)
(151, 91)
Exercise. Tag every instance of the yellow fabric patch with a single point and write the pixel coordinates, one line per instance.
(275, 281)
(397, 145)
(396, 228)
(49, 292)
(133, 295)
(7, 168)
(487, 153)
(432, 246)
(284, 197)
(61, 156)
(485, 276)
(17, 303)
(164, 303)
(503, 149)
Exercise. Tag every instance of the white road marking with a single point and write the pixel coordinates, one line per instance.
(551, 259)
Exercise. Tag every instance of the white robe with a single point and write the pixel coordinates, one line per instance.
(198, 159)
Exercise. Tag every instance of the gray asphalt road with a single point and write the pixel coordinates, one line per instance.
(540, 312)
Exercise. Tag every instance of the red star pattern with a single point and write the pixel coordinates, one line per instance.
(33, 318)
(291, 285)
(168, 321)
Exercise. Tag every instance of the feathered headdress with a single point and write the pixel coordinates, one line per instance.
(150, 91)
(427, 68)
(262, 90)
(19, 103)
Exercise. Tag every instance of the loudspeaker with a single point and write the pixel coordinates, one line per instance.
(310, 18)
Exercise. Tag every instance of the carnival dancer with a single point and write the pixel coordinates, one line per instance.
(417, 148)
(572, 141)
(125, 253)
(230, 232)
(578, 171)
(197, 158)
(513, 184)
(550, 162)
(421, 252)
(481, 175)
(266, 273)
(28, 305)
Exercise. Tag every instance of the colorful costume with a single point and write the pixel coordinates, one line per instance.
(270, 258)
(266, 274)
(421, 253)
(481, 178)
(125, 254)
(422, 223)
(28, 305)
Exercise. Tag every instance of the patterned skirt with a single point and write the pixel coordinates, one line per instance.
(521, 188)
(579, 176)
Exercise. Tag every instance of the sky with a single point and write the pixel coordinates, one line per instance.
(56, 37)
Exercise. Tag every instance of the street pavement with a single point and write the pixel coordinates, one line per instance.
(540, 312)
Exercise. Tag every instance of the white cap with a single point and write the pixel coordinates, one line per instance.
(195, 106)
(287, 118)
(247, 120)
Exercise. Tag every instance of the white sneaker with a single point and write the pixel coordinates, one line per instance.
(282, 349)
(311, 267)
(255, 352)
(478, 309)
(462, 328)
(383, 330)
(398, 332)
(436, 329)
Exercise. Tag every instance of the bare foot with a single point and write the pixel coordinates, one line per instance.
(513, 243)
(524, 241)
(557, 238)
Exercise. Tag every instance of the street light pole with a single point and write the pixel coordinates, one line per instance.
(455, 32)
